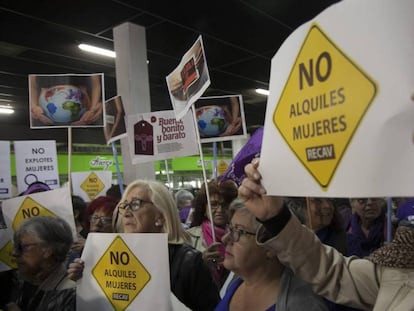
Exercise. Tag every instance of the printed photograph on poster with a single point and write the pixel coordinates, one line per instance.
(159, 136)
(114, 120)
(66, 100)
(189, 79)
(220, 118)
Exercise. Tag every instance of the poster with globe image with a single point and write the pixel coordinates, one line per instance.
(66, 100)
(220, 118)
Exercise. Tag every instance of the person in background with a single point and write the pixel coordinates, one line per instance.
(115, 191)
(221, 195)
(149, 207)
(263, 283)
(405, 211)
(79, 207)
(366, 231)
(97, 218)
(323, 218)
(382, 282)
(40, 248)
(183, 199)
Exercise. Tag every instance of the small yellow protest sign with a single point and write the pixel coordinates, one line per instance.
(92, 186)
(322, 103)
(30, 208)
(222, 167)
(120, 274)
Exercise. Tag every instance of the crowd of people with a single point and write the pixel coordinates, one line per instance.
(230, 248)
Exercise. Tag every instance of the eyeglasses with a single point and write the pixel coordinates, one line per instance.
(365, 201)
(236, 233)
(134, 205)
(21, 247)
(104, 220)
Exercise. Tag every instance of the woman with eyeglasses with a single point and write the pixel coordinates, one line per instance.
(40, 248)
(367, 227)
(149, 207)
(201, 230)
(263, 283)
(97, 218)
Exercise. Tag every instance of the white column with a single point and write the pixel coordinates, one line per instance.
(133, 85)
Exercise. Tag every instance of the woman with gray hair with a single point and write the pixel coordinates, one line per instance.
(40, 248)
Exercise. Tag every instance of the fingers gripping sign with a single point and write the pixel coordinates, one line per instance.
(254, 195)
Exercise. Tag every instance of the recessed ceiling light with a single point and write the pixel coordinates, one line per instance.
(6, 110)
(96, 50)
(263, 92)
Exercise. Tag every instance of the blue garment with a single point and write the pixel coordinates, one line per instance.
(224, 304)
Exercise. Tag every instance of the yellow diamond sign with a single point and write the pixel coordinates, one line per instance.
(92, 186)
(120, 274)
(30, 208)
(324, 100)
(5, 255)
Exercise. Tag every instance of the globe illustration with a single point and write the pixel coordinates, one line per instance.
(62, 103)
(211, 120)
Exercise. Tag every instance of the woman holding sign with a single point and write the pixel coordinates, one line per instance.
(149, 207)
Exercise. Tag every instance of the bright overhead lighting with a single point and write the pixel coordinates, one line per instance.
(96, 50)
(263, 92)
(6, 110)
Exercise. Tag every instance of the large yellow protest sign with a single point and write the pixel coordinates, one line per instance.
(30, 208)
(323, 101)
(120, 274)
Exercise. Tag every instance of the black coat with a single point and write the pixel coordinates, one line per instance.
(190, 278)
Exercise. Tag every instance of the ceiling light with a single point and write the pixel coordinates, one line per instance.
(96, 50)
(263, 92)
(6, 110)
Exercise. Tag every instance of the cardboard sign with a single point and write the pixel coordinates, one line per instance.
(188, 81)
(36, 160)
(5, 173)
(90, 185)
(115, 128)
(55, 203)
(125, 272)
(159, 136)
(339, 119)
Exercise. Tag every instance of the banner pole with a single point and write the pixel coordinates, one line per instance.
(118, 171)
(204, 174)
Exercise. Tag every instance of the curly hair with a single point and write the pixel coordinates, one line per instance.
(226, 190)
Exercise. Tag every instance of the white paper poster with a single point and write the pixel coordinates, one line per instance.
(159, 135)
(188, 81)
(128, 271)
(90, 185)
(5, 173)
(339, 119)
(220, 118)
(36, 160)
(56, 203)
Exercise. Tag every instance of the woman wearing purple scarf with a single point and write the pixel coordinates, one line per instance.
(367, 226)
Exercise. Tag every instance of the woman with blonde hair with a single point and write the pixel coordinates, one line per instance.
(149, 207)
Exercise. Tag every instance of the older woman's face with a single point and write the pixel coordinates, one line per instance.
(242, 256)
(322, 211)
(31, 255)
(146, 219)
(101, 221)
(368, 208)
(217, 210)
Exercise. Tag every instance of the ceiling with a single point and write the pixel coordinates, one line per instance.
(240, 38)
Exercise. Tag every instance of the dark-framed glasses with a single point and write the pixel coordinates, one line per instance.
(364, 201)
(216, 204)
(102, 219)
(23, 247)
(236, 233)
(134, 205)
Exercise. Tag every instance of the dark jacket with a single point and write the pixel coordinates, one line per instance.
(190, 278)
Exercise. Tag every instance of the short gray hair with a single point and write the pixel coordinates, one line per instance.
(54, 232)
